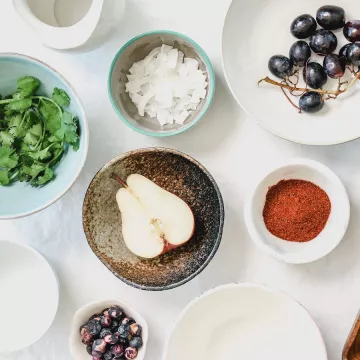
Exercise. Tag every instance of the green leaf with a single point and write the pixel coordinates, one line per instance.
(8, 158)
(33, 135)
(28, 86)
(18, 105)
(6, 138)
(34, 170)
(68, 130)
(51, 114)
(42, 180)
(41, 154)
(61, 97)
(17, 96)
(4, 177)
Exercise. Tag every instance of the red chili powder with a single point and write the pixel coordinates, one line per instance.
(296, 210)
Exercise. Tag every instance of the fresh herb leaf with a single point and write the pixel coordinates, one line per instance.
(68, 130)
(41, 154)
(61, 97)
(8, 158)
(34, 170)
(6, 138)
(44, 179)
(33, 135)
(52, 115)
(4, 177)
(28, 86)
(18, 105)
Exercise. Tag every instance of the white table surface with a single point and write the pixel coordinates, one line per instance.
(235, 150)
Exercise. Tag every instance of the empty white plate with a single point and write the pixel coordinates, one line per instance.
(258, 29)
(29, 296)
(245, 321)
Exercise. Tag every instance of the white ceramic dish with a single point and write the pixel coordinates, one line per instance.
(29, 295)
(78, 349)
(327, 240)
(244, 321)
(258, 29)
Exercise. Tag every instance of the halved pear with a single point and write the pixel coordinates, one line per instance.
(154, 220)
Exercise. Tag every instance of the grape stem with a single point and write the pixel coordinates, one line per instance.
(320, 91)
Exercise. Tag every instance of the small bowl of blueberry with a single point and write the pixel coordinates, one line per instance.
(108, 330)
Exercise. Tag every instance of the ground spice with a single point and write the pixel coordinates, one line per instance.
(296, 210)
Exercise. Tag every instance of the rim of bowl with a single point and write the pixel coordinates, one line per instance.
(271, 131)
(252, 229)
(208, 100)
(218, 238)
(84, 129)
(231, 286)
(114, 301)
(43, 259)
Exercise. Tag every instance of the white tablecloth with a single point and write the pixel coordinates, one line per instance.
(234, 149)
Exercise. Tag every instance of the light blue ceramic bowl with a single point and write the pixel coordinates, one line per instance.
(20, 199)
(135, 50)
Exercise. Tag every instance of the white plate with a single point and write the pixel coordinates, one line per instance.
(327, 240)
(29, 296)
(245, 321)
(253, 32)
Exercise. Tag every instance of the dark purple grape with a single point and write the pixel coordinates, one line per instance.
(334, 66)
(104, 332)
(135, 329)
(311, 102)
(116, 312)
(303, 26)
(314, 75)
(128, 321)
(105, 321)
(89, 349)
(323, 42)
(99, 345)
(117, 349)
(130, 353)
(124, 330)
(94, 327)
(331, 17)
(343, 53)
(281, 66)
(108, 355)
(300, 53)
(352, 30)
(112, 339)
(353, 53)
(136, 342)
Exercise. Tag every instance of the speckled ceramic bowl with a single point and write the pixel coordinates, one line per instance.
(177, 173)
(135, 50)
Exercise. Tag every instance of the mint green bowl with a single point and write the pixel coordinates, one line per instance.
(135, 50)
(20, 199)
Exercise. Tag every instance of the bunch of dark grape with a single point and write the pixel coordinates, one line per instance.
(111, 335)
(322, 42)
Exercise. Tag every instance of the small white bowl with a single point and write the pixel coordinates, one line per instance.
(327, 240)
(78, 349)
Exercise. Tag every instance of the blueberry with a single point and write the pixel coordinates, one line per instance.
(105, 312)
(105, 321)
(108, 355)
(83, 329)
(128, 321)
(131, 353)
(123, 341)
(135, 329)
(94, 327)
(96, 354)
(99, 345)
(115, 312)
(112, 339)
(96, 358)
(124, 330)
(95, 316)
(89, 349)
(114, 325)
(117, 350)
(87, 338)
(105, 332)
(136, 342)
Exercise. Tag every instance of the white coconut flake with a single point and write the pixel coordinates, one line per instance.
(166, 86)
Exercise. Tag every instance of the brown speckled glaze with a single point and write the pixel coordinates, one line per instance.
(352, 346)
(177, 173)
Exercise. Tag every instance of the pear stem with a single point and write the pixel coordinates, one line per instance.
(119, 180)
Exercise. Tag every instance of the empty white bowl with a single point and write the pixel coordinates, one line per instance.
(78, 349)
(29, 296)
(245, 321)
(327, 240)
